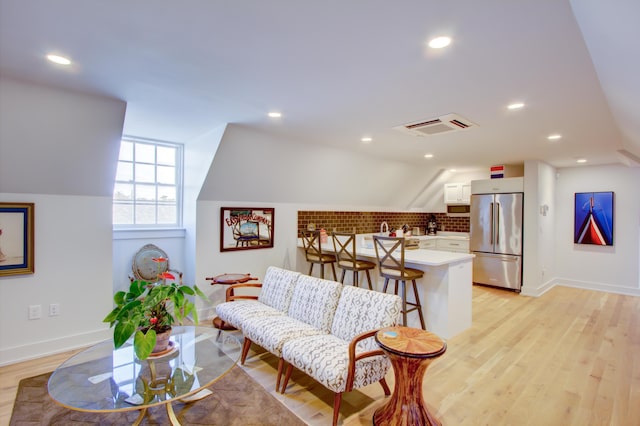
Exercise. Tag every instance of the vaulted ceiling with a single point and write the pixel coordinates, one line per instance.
(339, 71)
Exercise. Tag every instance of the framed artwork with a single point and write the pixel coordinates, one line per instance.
(16, 239)
(246, 228)
(593, 218)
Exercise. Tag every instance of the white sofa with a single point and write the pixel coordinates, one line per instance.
(319, 326)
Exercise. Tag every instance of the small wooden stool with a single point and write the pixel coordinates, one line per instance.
(411, 351)
(228, 279)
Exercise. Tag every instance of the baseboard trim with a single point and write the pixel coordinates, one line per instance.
(52, 347)
(538, 291)
(584, 285)
(607, 288)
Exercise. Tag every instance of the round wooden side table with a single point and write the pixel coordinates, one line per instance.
(411, 351)
(228, 279)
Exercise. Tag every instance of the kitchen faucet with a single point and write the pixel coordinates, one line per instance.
(384, 227)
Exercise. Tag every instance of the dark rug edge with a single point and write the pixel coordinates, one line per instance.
(153, 417)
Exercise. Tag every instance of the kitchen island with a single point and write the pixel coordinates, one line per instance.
(445, 289)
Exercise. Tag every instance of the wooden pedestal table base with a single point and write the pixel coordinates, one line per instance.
(411, 351)
(228, 279)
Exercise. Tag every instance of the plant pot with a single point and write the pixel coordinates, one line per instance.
(162, 341)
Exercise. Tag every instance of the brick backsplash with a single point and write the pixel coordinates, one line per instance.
(368, 222)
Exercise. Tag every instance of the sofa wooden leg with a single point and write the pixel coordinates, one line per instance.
(337, 399)
(286, 378)
(280, 367)
(245, 350)
(385, 386)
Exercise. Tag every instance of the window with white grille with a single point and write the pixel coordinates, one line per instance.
(148, 187)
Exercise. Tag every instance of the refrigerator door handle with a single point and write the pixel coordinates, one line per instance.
(491, 229)
(497, 222)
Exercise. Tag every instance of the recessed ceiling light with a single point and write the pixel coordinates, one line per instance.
(439, 42)
(61, 60)
(366, 139)
(453, 170)
(554, 137)
(581, 160)
(275, 114)
(428, 156)
(516, 105)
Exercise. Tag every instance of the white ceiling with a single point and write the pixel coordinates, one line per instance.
(341, 70)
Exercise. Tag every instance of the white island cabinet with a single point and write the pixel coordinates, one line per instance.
(445, 290)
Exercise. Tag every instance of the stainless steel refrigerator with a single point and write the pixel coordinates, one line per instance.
(496, 239)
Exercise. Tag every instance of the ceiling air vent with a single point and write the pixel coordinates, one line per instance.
(443, 124)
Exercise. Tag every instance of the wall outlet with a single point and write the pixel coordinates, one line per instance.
(35, 312)
(54, 309)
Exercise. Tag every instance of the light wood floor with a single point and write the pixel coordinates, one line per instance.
(570, 357)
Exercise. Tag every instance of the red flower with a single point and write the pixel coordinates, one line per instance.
(153, 321)
(167, 275)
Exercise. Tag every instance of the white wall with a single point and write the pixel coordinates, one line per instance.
(539, 228)
(198, 156)
(72, 269)
(55, 141)
(59, 149)
(614, 269)
(250, 165)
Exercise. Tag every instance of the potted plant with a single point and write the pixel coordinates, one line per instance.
(149, 309)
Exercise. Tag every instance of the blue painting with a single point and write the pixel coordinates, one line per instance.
(593, 218)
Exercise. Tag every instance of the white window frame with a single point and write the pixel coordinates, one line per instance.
(178, 186)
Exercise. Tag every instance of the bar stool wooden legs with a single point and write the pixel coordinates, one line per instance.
(312, 242)
(415, 306)
(356, 275)
(390, 255)
(333, 268)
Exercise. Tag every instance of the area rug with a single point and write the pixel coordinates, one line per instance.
(236, 400)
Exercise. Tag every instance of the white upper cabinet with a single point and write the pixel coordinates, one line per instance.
(457, 193)
(493, 186)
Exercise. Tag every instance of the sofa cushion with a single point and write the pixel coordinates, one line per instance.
(314, 301)
(237, 312)
(326, 359)
(277, 288)
(272, 332)
(361, 310)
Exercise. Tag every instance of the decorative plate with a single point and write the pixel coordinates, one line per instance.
(144, 268)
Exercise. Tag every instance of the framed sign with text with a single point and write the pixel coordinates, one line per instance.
(246, 228)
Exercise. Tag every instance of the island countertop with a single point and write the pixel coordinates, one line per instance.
(416, 256)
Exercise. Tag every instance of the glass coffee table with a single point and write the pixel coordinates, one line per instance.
(103, 379)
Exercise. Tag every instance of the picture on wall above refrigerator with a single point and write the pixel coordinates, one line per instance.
(496, 239)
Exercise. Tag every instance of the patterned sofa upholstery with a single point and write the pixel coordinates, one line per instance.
(319, 326)
(348, 358)
(274, 299)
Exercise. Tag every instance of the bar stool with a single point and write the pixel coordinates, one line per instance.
(344, 245)
(390, 255)
(313, 251)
